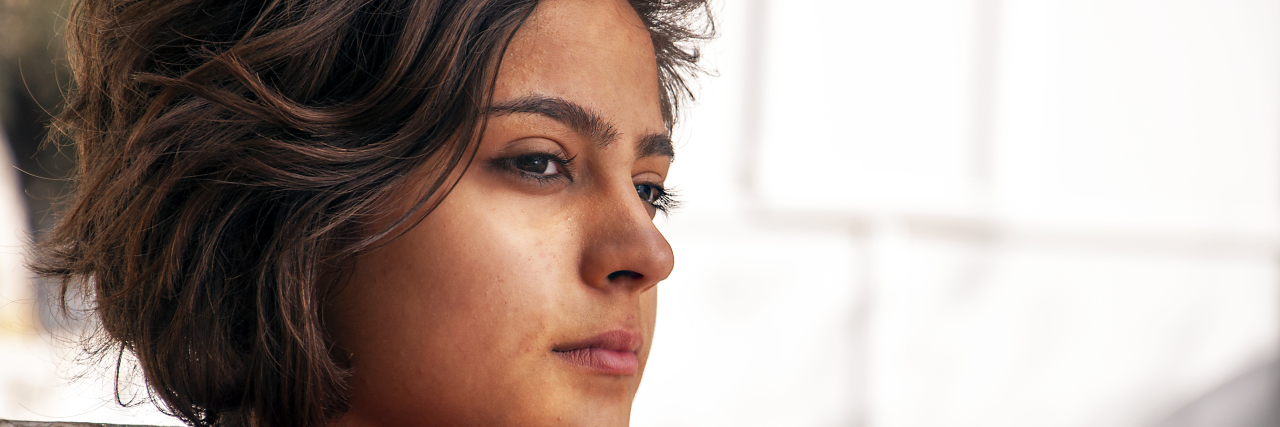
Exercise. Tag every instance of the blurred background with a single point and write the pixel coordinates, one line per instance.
(897, 213)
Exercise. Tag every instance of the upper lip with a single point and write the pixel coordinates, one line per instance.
(622, 340)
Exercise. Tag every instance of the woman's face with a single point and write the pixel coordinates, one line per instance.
(528, 296)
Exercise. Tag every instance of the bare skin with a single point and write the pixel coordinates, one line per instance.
(528, 297)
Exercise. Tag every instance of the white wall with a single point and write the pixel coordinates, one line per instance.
(973, 213)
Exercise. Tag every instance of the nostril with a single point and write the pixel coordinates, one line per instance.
(624, 273)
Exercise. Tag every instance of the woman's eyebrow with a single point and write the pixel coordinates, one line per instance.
(576, 117)
(583, 121)
(656, 145)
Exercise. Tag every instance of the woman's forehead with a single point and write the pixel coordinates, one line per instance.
(591, 19)
(596, 54)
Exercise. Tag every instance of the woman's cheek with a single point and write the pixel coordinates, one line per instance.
(520, 258)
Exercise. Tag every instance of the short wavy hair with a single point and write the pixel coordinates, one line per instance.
(232, 155)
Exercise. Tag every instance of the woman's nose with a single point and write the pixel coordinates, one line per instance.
(623, 249)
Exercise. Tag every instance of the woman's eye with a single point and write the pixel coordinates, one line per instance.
(541, 167)
(657, 196)
(537, 165)
(650, 193)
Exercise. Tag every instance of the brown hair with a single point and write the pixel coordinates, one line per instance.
(232, 154)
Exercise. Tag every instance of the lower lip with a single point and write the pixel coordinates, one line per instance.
(608, 362)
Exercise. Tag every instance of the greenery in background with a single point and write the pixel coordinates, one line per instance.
(33, 76)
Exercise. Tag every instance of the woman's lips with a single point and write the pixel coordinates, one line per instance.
(610, 353)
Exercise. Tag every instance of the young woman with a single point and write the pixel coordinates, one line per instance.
(375, 212)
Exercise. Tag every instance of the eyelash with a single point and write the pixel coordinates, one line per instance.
(666, 201)
(562, 163)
